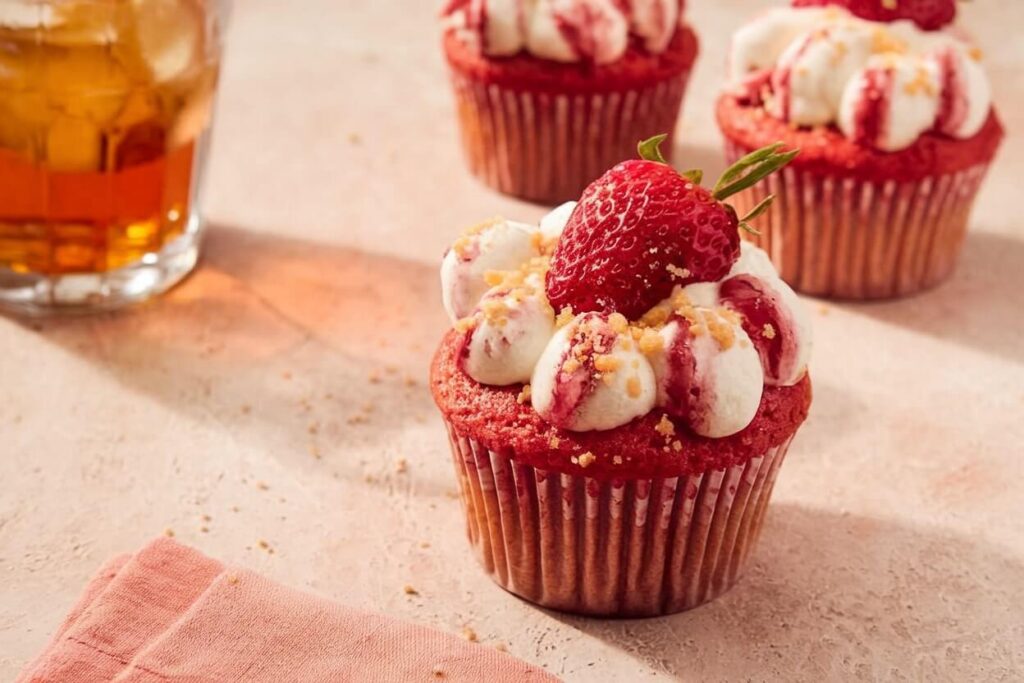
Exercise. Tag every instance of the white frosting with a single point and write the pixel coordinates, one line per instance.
(817, 60)
(611, 400)
(910, 109)
(503, 348)
(503, 245)
(593, 375)
(755, 261)
(553, 223)
(655, 21)
(730, 380)
(565, 30)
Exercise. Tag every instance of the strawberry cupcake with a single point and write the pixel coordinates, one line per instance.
(550, 93)
(620, 387)
(896, 128)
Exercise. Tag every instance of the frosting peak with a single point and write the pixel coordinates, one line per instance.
(882, 85)
(595, 31)
(704, 355)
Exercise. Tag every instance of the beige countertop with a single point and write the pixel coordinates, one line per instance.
(280, 392)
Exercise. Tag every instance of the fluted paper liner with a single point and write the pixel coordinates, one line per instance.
(852, 239)
(641, 547)
(548, 147)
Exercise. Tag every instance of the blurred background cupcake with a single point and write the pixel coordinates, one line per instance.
(893, 115)
(550, 93)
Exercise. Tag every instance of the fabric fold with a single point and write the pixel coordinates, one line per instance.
(169, 613)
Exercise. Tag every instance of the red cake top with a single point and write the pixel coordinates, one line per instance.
(660, 310)
(651, 446)
(826, 151)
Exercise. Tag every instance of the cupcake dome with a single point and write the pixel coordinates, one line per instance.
(549, 94)
(896, 130)
(565, 423)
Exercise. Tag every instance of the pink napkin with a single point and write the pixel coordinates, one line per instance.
(169, 613)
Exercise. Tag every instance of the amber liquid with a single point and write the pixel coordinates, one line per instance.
(99, 132)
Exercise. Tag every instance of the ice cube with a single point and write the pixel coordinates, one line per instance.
(74, 144)
(86, 82)
(170, 36)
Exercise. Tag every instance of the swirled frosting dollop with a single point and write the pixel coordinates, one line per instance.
(597, 31)
(883, 85)
(703, 355)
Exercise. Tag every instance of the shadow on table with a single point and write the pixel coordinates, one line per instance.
(843, 597)
(979, 307)
(297, 347)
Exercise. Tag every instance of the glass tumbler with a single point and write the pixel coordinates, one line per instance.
(105, 110)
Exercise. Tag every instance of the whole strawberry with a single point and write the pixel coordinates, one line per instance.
(930, 15)
(642, 228)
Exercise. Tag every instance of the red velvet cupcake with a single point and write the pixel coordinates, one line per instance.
(896, 130)
(617, 458)
(551, 93)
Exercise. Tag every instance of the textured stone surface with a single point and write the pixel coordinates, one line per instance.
(895, 548)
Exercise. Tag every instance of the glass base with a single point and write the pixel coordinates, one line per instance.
(81, 293)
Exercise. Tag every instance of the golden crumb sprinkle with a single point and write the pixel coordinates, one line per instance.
(677, 445)
(570, 365)
(169, 533)
(493, 278)
(721, 331)
(232, 579)
(665, 426)
(768, 331)
(524, 396)
(587, 459)
(553, 442)
(606, 363)
(465, 324)
(618, 323)
(469, 634)
(616, 459)
(565, 317)
(976, 53)
(650, 342)
(633, 387)
(677, 272)
(409, 590)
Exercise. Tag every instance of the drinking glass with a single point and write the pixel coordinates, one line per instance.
(105, 110)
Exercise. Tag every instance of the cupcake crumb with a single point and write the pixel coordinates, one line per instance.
(587, 459)
(409, 590)
(665, 426)
(553, 442)
(525, 395)
(469, 634)
(768, 331)
(401, 466)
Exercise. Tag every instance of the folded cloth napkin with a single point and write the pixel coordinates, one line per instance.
(169, 613)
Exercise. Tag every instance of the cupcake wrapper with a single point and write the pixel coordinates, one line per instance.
(630, 548)
(852, 239)
(548, 147)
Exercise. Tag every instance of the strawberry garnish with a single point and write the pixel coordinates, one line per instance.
(930, 15)
(642, 228)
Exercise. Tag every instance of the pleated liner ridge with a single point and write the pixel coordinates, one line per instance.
(548, 147)
(852, 239)
(631, 548)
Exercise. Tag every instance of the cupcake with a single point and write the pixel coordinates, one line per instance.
(620, 387)
(896, 130)
(551, 93)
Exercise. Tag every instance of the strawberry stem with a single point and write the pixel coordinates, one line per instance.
(752, 169)
(650, 149)
(694, 175)
(759, 209)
